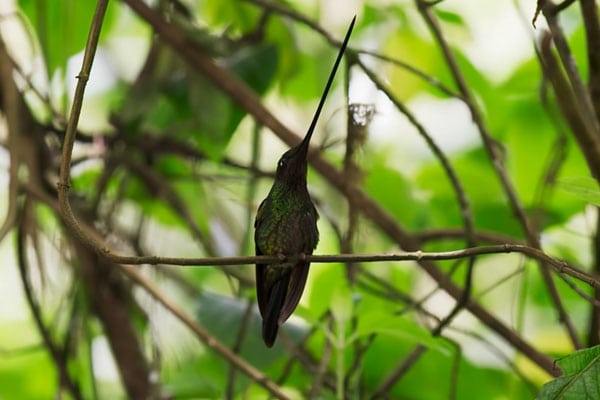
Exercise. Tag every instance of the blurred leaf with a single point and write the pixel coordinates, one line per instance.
(279, 33)
(308, 79)
(223, 316)
(172, 166)
(172, 97)
(482, 187)
(217, 116)
(236, 16)
(582, 187)
(450, 17)
(62, 27)
(28, 376)
(376, 321)
(391, 189)
(319, 292)
(154, 207)
(428, 378)
(580, 380)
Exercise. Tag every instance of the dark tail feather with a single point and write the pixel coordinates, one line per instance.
(275, 301)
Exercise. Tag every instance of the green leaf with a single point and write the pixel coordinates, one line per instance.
(391, 189)
(582, 187)
(216, 115)
(223, 317)
(381, 322)
(27, 376)
(449, 17)
(581, 377)
(236, 16)
(318, 294)
(62, 27)
(171, 97)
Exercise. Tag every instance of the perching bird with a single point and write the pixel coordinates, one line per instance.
(286, 225)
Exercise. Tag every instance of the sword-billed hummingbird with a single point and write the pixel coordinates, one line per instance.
(286, 225)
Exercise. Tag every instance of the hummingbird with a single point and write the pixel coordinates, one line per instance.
(286, 225)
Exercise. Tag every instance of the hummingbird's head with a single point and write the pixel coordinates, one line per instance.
(292, 166)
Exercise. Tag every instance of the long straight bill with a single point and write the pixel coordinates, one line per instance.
(311, 128)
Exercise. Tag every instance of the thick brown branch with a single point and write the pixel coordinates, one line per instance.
(588, 143)
(112, 303)
(589, 14)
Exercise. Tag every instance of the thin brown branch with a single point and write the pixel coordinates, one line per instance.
(281, 9)
(112, 303)
(63, 184)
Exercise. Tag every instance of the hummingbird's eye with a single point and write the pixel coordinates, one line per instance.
(281, 163)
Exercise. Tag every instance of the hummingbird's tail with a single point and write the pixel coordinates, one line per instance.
(275, 302)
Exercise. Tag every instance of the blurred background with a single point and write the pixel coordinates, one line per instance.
(452, 124)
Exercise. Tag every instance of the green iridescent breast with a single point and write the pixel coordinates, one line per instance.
(287, 225)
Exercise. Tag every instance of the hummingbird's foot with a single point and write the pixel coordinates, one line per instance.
(281, 256)
(302, 256)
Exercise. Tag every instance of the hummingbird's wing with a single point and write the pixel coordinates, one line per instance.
(260, 215)
(276, 298)
(307, 225)
(261, 289)
(296, 284)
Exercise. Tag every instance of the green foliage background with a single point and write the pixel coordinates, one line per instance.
(168, 164)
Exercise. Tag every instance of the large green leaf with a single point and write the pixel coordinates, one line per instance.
(62, 27)
(172, 98)
(429, 378)
(582, 187)
(27, 376)
(223, 316)
(383, 323)
(581, 378)
(396, 194)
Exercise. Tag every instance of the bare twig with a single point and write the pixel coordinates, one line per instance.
(63, 185)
